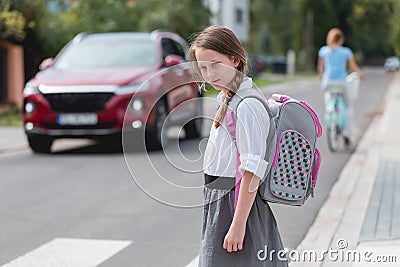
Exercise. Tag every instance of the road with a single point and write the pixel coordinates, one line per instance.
(129, 206)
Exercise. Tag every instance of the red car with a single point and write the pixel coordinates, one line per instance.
(103, 84)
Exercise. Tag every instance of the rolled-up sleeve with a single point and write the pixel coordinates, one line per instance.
(252, 129)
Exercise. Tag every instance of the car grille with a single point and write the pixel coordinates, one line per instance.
(78, 102)
(100, 125)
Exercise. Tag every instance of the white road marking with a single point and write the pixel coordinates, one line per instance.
(64, 252)
(194, 262)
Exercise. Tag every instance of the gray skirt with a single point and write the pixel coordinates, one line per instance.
(262, 240)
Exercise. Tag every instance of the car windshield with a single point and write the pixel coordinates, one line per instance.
(104, 53)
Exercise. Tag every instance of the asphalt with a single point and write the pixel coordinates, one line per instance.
(359, 223)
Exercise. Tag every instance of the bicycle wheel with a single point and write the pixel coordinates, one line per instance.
(333, 132)
(342, 123)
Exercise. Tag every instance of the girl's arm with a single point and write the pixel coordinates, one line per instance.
(320, 66)
(252, 128)
(248, 190)
(354, 67)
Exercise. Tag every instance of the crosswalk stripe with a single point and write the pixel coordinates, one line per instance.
(194, 262)
(66, 252)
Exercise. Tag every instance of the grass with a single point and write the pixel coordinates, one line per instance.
(11, 116)
(267, 79)
(263, 81)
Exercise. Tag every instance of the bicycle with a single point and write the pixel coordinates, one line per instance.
(336, 118)
(336, 110)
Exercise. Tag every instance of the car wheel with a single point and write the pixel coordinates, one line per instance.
(194, 127)
(155, 135)
(40, 144)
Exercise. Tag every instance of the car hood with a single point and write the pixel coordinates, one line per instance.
(109, 76)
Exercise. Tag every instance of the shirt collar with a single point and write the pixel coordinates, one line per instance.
(246, 84)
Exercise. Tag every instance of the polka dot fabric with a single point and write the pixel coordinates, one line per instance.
(293, 166)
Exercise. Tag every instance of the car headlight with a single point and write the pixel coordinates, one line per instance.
(137, 104)
(132, 88)
(31, 90)
(29, 107)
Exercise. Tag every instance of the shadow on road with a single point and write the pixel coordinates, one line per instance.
(90, 147)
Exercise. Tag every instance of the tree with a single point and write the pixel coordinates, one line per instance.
(47, 29)
(27, 15)
(269, 24)
(262, 44)
(315, 18)
(371, 26)
(395, 29)
(181, 16)
(85, 16)
(12, 22)
(367, 24)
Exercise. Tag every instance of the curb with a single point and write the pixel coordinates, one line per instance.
(12, 140)
(13, 149)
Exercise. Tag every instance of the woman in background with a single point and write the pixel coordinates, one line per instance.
(333, 59)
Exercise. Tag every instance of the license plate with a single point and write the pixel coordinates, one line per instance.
(77, 119)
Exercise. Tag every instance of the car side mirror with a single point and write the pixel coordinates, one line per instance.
(47, 63)
(173, 60)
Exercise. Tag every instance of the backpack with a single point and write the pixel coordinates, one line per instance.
(291, 152)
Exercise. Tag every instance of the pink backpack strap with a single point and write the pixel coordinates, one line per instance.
(238, 178)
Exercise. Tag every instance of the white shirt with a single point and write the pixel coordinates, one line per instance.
(252, 127)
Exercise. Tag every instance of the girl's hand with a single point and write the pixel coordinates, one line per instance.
(234, 238)
(248, 189)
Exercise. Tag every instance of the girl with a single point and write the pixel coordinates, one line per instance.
(332, 67)
(243, 235)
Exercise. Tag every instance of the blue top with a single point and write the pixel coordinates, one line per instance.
(335, 62)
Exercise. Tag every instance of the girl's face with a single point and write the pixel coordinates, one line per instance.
(217, 69)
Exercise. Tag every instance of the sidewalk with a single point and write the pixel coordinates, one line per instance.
(12, 139)
(359, 224)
